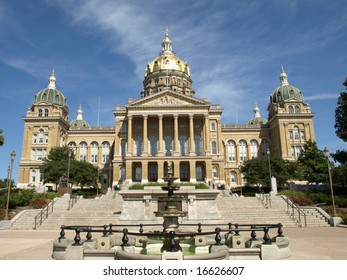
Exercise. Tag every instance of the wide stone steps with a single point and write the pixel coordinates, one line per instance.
(25, 219)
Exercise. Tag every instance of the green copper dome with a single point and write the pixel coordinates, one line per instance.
(285, 91)
(50, 94)
(257, 119)
(79, 122)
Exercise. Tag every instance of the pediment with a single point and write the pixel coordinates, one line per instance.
(168, 98)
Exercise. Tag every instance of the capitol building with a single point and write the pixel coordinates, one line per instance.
(165, 122)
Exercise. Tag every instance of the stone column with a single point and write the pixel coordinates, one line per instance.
(191, 135)
(207, 136)
(130, 136)
(144, 168)
(128, 172)
(160, 136)
(176, 142)
(177, 170)
(192, 171)
(145, 138)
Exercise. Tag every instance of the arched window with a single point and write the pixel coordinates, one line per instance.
(153, 142)
(243, 150)
(83, 151)
(297, 109)
(254, 149)
(214, 147)
(168, 145)
(138, 173)
(33, 176)
(41, 136)
(233, 178)
(46, 112)
(296, 133)
(105, 151)
(184, 145)
(40, 112)
(231, 151)
(198, 145)
(213, 126)
(215, 171)
(138, 145)
(291, 109)
(94, 152)
(72, 146)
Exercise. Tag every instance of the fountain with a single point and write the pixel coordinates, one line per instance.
(169, 242)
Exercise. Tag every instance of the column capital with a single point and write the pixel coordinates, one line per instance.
(175, 116)
(145, 117)
(191, 116)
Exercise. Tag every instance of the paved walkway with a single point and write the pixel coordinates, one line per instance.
(314, 243)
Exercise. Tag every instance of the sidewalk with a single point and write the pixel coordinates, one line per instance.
(314, 243)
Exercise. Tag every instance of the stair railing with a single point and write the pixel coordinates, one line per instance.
(72, 202)
(43, 214)
(265, 199)
(294, 210)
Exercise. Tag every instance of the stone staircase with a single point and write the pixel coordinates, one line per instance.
(107, 209)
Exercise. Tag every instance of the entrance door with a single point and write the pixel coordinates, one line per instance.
(199, 174)
(153, 173)
(184, 172)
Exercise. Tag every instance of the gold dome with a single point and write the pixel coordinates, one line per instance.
(167, 61)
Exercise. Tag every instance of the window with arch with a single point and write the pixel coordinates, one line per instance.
(138, 173)
(72, 146)
(40, 112)
(213, 126)
(41, 136)
(198, 145)
(243, 150)
(105, 152)
(231, 150)
(233, 178)
(290, 109)
(296, 133)
(168, 145)
(34, 138)
(83, 151)
(183, 145)
(215, 171)
(254, 149)
(46, 112)
(138, 145)
(214, 147)
(297, 109)
(94, 152)
(33, 176)
(153, 145)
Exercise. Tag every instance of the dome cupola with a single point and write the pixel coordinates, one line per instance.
(51, 94)
(167, 71)
(285, 91)
(257, 119)
(79, 122)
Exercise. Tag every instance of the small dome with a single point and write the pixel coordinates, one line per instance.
(285, 91)
(51, 94)
(79, 122)
(257, 119)
(167, 60)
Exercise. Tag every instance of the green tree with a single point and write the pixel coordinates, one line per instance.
(257, 171)
(341, 115)
(313, 163)
(2, 139)
(56, 166)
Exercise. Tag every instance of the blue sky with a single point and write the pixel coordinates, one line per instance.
(99, 50)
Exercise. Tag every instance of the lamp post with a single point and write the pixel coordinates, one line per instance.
(13, 155)
(68, 172)
(326, 153)
(268, 158)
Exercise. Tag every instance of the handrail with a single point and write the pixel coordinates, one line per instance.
(320, 211)
(295, 209)
(265, 199)
(43, 214)
(72, 202)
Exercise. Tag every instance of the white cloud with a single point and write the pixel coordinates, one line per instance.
(321, 96)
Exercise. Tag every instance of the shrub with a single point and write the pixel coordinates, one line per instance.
(38, 203)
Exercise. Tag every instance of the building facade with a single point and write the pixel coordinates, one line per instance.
(166, 123)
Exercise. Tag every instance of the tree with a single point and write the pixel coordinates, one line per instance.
(56, 166)
(257, 172)
(341, 115)
(313, 163)
(2, 139)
